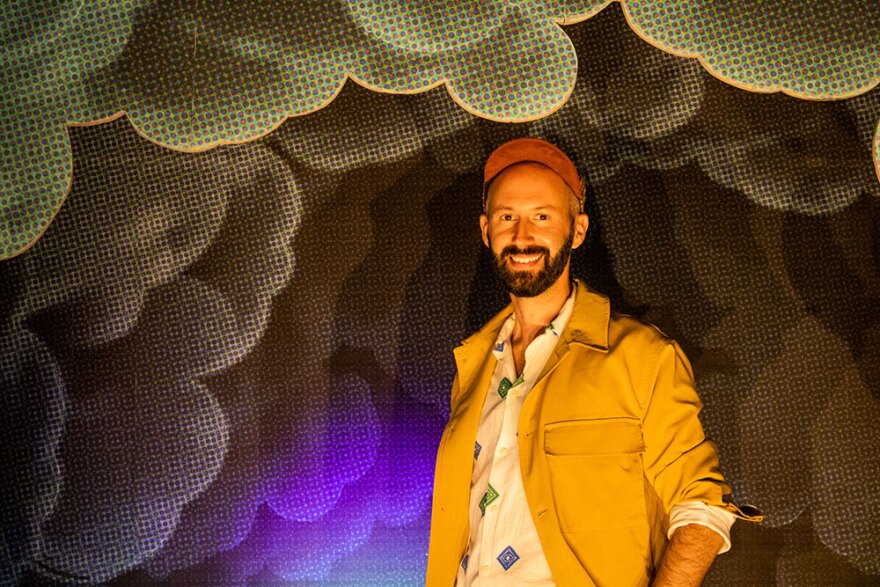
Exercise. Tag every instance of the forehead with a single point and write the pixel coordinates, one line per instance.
(528, 184)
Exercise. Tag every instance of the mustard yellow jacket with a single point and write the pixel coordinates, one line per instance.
(609, 441)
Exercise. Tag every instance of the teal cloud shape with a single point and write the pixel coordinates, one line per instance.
(191, 76)
(809, 49)
(194, 75)
(47, 51)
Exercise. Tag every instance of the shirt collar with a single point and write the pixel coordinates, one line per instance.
(588, 324)
(556, 326)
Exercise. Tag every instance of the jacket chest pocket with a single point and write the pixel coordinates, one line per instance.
(596, 473)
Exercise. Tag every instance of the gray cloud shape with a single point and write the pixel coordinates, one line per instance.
(33, 408)
(145, 305)
(128, 472)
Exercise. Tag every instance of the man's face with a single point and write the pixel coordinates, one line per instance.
(529, 228)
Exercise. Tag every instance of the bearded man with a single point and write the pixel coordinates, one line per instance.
(573, 454)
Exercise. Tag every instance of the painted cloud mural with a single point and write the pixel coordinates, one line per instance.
(230, 363)
(192, 76)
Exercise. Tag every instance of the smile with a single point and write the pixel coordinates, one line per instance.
(525, 260)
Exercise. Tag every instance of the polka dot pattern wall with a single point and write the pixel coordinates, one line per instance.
(231, 363)
(192, 75)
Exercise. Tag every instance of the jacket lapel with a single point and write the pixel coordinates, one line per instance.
(455, 458)
(476, 364)
(474, 349)
(588, 326)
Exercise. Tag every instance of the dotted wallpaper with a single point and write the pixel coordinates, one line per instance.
(811, 49)
(229, 364)
(193, 75)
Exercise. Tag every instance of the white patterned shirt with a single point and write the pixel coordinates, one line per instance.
(503, 545)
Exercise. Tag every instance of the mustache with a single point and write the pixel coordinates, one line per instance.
(528, 251)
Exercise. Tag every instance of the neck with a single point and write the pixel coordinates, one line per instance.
(534, 314)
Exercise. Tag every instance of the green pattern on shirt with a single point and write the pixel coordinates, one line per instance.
(504, 387)
(488, 497)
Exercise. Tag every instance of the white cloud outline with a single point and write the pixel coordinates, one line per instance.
(876, 153)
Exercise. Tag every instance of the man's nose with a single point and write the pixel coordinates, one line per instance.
(522, 232)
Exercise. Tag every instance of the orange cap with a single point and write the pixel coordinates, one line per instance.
(535, 151)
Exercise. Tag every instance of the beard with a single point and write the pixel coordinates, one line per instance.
(524, 284)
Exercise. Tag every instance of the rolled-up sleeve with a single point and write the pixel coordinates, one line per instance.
(697, 512)
(680, 462)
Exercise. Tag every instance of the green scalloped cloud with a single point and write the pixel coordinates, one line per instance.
(47, 50)
(812, 49)
(194, 75)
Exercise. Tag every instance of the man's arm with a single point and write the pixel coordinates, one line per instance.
(682, 466)
(688, 557)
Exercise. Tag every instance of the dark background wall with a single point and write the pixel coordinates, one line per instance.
(232, 366)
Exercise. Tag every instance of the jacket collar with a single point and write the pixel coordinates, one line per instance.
(588, 324)
(589, 321)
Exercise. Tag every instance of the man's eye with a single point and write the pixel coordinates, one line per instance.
(543, 217)
(506, 217)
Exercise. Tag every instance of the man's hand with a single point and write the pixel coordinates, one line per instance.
(688, 557)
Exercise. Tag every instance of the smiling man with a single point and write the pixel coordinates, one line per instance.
(573, 454)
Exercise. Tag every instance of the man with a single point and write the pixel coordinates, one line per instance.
(573, 449)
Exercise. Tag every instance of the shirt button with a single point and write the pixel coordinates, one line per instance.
(502, 451)
(494, 507)
(484, 568)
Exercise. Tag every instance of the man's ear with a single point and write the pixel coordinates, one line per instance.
(581, 224)
(484, 229)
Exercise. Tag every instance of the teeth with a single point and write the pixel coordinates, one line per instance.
(524, 260)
